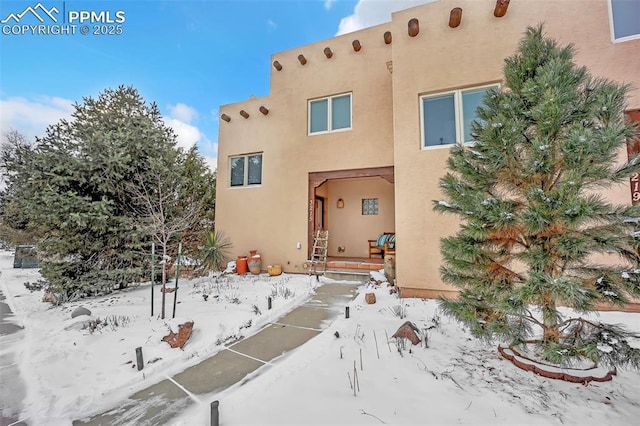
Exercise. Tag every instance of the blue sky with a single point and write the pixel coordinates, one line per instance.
(189, 57)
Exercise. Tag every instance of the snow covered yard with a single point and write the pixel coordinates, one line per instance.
(69, 369)
(455, 380)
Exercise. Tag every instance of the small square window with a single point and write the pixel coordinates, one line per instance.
(369, 206)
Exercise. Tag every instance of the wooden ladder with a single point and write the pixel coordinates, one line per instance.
(318, 261)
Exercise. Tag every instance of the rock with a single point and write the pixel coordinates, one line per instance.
(81, 323)
(408, 331)
(80, 310)
(390, 267)
(370, 298)
(178, 340)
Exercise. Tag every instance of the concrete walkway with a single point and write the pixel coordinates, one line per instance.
(165, 400)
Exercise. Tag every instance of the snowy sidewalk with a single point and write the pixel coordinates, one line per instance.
(163, 401)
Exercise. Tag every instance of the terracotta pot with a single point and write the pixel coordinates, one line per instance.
(241, 265)
(255, 264)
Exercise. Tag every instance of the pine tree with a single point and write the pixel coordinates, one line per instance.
(74, 186)
(535, 225)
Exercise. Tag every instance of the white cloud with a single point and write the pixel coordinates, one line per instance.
(187, 134)
(328, 4)
(368, 13)
(212, 162)
(32, 117)
(183, 112)
(272, 24)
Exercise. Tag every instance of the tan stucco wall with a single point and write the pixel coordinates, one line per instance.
(441, 58)
(274, 216)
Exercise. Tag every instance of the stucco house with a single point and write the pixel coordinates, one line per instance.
(340, 141)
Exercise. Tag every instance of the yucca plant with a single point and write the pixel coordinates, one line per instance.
(214, 253)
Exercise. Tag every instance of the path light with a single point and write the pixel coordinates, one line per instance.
(501, 8)
(244, 113)
(455, 17)
(356, 45)
(414, 27)
(328, 53)
(387, 37)
(302, 59)
(264, 110)
(277, 65)
(225, 117)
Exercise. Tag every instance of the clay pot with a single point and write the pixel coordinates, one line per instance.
(254, 263)
(274, 270)
(241, 265)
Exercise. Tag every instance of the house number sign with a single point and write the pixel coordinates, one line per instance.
(633, 149)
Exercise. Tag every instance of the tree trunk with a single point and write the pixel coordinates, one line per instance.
(550, 319)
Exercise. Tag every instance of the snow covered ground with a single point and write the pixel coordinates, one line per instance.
(455, 380)
(69, 370)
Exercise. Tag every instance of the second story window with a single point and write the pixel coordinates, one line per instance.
(330, 114)
(245, 170)
(447, 117)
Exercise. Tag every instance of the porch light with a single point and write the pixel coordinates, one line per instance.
(244, 113)
(277, 65)
(328, 53)
(302, 59)
(225, 117)
(501, 8)
(264, 110)
(387, 37)
(455, 17)
(414, 27)
(356, 45)
(340, 203)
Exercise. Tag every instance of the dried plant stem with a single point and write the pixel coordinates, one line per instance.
(361, 367)
(388, 344)
(376, 339)
(350, 382)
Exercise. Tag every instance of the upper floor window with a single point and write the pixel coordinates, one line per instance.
(245, 170)
(330, 114)
(447, 117)
(624, 17)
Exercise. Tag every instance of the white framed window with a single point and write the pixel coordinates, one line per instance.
(330, 114)
(624, 19)
(245, 170)
(445, 118)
